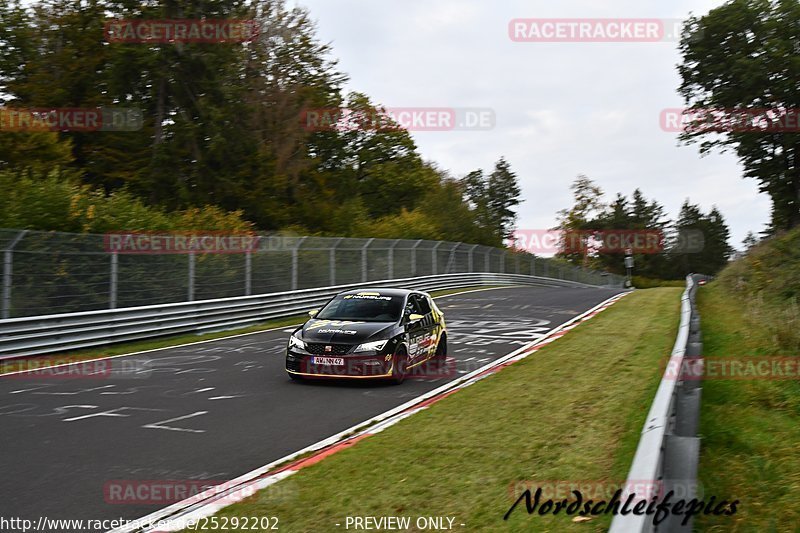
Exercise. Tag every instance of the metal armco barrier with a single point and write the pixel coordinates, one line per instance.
(669, 449)
(71, 331)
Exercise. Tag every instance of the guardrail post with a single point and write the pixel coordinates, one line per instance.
(112, 289)
(248, 273)
(8, 259)
(190, 291)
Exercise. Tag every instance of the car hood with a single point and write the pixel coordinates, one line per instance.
(344, 331)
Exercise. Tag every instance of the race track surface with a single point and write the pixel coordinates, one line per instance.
(216, 410)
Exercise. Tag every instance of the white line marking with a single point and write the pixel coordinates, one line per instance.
(111, 413)
(226, 397)
(158, 425)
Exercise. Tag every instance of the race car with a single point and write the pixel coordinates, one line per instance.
(368, 334)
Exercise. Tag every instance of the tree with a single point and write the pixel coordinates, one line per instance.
(743, 55)
(716, 250)
(749, 241)
(587, 204)
(502, 195)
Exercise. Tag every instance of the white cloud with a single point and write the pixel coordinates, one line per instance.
(562, 108)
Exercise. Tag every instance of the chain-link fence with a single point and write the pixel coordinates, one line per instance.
(53, 272)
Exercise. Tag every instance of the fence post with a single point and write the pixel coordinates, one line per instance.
(451, 261)
(112, 290)
(434, 258)
(364, 260)
(487, 260)
(533, 265)
(248, 273)
(295, 255)
(414, 258)
(502, 261)
(332, 261)
(517, 263)
(471, 260)
(190, 291)
(390, 258)
(8, 259)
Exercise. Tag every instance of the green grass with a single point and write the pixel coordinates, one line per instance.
(767, 283)
(650, 283)
(43, 361)
(749, 429)
(571, 411)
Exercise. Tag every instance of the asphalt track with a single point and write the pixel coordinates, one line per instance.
(215, 410)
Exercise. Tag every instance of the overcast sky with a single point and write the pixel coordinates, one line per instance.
(562, 109)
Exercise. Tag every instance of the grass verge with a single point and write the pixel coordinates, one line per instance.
(572, 411)
(43, 361)
(750, 429)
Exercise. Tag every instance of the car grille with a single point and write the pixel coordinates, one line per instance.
(336, 349)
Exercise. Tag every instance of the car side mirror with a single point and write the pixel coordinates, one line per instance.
(313, 313)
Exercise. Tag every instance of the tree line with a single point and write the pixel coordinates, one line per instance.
(680, 251)
(222, 141)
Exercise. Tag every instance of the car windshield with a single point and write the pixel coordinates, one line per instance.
(367, 307)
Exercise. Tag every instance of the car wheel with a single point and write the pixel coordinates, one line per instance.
(441, 350)
(400, 367)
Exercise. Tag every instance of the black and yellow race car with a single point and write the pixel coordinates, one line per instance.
(369, 334)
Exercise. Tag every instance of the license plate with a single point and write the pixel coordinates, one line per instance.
(328, 361)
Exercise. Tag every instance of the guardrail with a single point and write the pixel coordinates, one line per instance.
(668, 452)
(71, 331)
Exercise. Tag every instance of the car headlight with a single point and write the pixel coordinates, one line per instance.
(374, 346)
(297, 343)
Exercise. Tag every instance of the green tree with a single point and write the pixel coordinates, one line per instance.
(502, 196)
(743, 55)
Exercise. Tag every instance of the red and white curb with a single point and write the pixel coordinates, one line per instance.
(179, 515)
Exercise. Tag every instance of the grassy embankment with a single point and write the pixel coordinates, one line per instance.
(750, 429)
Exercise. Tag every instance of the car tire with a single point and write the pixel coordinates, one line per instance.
(400, 366)
(441, 350)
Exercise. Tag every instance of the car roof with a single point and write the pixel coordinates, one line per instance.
(383, 291)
